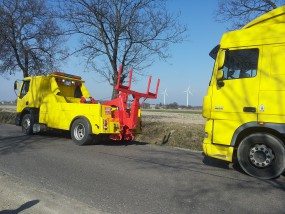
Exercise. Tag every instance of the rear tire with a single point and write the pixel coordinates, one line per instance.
(27, 124)
(80, 132)
(262, 155)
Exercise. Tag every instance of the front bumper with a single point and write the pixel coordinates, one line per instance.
(217, 151)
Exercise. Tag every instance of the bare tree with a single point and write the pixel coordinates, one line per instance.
(240, 12)
(30, 37)
(131, 33)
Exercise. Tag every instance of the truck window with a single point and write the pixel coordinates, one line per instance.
(240, 64)
(77, 92)
(25, 88)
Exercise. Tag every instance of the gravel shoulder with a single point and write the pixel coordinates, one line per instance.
(18, 196)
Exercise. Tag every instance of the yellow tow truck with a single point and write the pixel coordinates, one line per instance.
(61, 101)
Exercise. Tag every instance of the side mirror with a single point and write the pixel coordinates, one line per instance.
(219, 78)
(220, 74)
(16, 85)
(221, 59)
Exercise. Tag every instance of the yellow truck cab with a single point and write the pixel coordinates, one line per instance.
(245, 100)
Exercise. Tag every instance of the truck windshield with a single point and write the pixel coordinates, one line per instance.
(25, 88)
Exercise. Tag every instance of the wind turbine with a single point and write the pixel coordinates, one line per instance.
(164, 93)
(188, 91)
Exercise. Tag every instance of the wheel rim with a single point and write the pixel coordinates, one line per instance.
(27, 124)
(261, 155)
(79, 132)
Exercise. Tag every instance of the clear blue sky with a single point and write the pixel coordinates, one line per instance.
(190, 63)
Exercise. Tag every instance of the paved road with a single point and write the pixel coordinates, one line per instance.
(45, 173)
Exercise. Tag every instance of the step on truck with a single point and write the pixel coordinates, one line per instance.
(245, 101)
(61, 101)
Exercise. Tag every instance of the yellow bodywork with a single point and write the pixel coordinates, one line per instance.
(59, 107)
(241, 101)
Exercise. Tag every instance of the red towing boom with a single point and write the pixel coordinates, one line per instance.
(129, 118)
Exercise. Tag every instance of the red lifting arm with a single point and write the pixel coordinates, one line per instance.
(127, 89)
(129, 118)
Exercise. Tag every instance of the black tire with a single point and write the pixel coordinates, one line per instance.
(80, 132)
(27, 124)
(262, 155)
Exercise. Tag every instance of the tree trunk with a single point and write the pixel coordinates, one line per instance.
(115, 80)
(25, 73)
(115, 93)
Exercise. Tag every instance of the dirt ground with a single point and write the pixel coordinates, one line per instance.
(183, 118)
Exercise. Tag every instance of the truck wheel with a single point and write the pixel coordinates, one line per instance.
(27, 124)
(262, 155)
(80, 130)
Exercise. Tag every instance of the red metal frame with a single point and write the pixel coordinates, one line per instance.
(128, 118)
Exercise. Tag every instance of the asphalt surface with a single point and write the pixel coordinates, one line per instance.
(49, 174)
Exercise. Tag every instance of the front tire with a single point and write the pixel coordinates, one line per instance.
(262, 155)
(80, 132)
(27, 124)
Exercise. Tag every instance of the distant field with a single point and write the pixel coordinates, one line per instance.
(176, 116)
(8, 108)
(174, 111)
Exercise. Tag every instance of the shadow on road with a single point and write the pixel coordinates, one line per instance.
(119, 143)
(209, 161)
(16, 144)
(105, 141)
(276, 183)
(20, 143)
(215, 162)
(23, 207)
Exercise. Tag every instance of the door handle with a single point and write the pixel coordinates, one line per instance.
(249, 109)
(27, 103)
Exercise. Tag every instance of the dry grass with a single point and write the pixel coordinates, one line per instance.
(188, 136)
(7, 117)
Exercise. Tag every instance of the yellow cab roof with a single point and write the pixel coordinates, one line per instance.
(275, 16)
(266, 29)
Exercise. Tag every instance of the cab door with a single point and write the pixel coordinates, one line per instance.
(272, 90)
(235, 94)
(23, 96)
